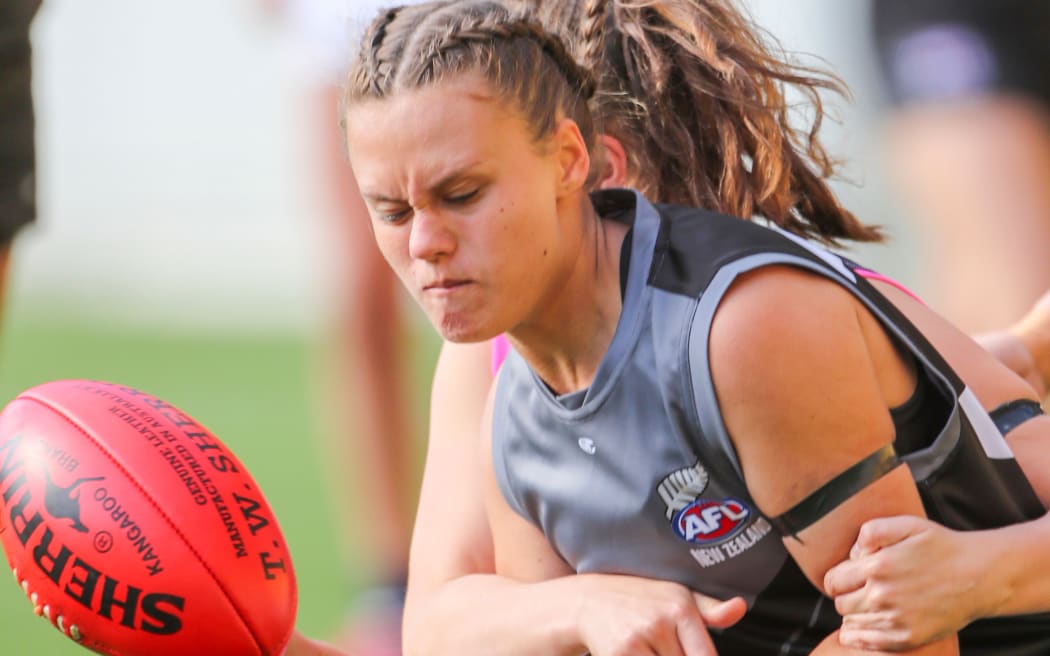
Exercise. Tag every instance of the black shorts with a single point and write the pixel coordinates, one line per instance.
(17, 152)
(947, 49)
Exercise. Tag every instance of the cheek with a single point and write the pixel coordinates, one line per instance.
(393, 244)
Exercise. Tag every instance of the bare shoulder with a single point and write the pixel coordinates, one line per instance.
(803, 374)
(771, 321)
(795, 370)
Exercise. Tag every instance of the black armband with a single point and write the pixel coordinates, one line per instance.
(831, 495)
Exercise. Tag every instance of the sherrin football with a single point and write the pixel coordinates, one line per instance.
(136, 531)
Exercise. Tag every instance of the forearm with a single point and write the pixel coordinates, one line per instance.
(486, 613)
(832, 647)
(1014, 568)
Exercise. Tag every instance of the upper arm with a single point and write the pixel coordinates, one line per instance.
(451, 536)
(803, 382)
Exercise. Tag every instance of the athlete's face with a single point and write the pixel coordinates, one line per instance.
(466, 206)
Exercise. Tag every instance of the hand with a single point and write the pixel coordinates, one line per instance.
(908, 582)
(300, 645)
(1033, 330)
(628, 615)
(1012, 350)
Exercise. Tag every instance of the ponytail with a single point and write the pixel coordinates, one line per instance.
(697, 95)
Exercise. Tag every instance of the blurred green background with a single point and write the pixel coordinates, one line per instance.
(257, 393)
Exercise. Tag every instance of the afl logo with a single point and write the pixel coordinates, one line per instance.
(706, 520)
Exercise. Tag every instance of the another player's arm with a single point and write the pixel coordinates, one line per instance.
(456, 604)
(805, 377)
(451, 537)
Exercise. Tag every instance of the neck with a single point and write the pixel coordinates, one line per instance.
(565, 340)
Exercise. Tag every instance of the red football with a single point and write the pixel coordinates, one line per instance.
(134, 530)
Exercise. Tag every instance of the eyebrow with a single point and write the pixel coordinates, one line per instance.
(444, 182)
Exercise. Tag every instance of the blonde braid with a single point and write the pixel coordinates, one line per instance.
(484, 27)
(377, 70)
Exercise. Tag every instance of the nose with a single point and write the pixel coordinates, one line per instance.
(431, 236)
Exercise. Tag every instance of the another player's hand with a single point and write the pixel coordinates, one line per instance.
(1033, 330)
(300, 645)
(628, 615)
(1011, 350)
(908, 582)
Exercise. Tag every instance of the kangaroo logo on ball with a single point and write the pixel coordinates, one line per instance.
(61, 503)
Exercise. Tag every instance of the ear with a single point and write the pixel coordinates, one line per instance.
(614, 163)
(573, 159)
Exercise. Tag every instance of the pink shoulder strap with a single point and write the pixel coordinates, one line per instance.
(500, 349)
(872, 275)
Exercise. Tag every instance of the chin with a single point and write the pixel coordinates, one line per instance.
(460, 331)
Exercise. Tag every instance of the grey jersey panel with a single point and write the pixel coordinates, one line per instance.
(608, 486)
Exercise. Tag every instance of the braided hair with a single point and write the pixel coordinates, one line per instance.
(420, 45)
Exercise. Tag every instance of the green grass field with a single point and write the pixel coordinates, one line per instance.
(255, 393)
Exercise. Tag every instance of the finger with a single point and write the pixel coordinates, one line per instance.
(883, 532)
(671, 646)
(1035, 378)
(718, 613)
(873, 639)
(847, 576)
(851, 603)
(615, 648)
(693, 638)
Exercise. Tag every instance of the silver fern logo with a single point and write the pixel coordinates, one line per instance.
(682, 487)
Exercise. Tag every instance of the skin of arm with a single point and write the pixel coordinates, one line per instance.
(903, 569)
(451, 540)
(799, 365)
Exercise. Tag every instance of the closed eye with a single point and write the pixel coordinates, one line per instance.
(462, 199)
(391, 215)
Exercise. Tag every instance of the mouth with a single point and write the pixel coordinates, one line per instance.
(445, 286)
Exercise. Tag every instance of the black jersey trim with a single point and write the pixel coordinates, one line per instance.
(836, 491)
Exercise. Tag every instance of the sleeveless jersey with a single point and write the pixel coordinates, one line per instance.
(637, 474)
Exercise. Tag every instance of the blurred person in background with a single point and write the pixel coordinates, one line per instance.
(17, 132)
(968, 144)
(370, 400)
